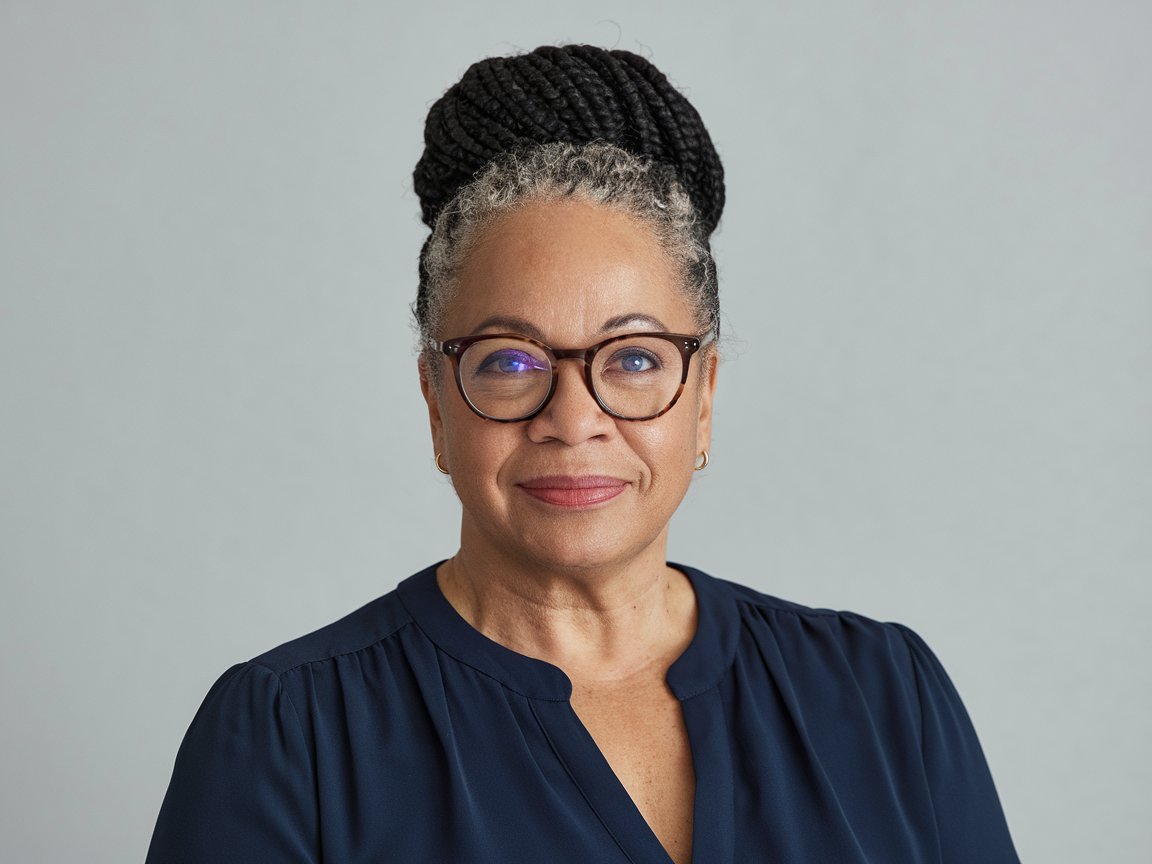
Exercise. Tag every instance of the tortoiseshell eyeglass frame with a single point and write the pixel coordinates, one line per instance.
(685, 343)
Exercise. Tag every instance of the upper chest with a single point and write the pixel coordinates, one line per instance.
(632, 719)
(639, 729)
(435, 761)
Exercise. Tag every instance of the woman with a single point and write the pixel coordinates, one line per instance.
(556, 690)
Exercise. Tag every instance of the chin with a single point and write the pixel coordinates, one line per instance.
(595, 551)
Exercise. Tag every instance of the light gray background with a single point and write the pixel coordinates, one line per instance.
(935, 407)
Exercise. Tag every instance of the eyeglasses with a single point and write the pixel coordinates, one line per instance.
(507, 377)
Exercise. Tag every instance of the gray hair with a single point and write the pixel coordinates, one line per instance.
(597, 172)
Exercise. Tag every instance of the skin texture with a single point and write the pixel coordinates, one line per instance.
(583, 587)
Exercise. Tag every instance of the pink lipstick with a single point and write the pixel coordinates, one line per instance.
(567, 491)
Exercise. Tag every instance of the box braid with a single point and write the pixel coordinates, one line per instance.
(576, 95)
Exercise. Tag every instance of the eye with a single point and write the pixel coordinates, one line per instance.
(509, 361)
(634, 360)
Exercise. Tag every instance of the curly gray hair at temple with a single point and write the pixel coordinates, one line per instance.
(595, 172)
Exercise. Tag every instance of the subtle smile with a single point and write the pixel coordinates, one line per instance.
(566, 491)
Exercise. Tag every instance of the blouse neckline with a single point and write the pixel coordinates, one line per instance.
(699, 668)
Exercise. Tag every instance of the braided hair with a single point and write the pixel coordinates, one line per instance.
(575, 119)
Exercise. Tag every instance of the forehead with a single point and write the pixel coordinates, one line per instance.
(567, 267)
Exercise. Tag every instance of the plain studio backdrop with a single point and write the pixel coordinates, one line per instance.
(935, 405)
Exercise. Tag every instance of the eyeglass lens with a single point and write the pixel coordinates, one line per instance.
(507, 378)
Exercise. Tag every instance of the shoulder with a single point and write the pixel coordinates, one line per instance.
(369, 627)
(793, 630)
(751, 599)
(818, 656)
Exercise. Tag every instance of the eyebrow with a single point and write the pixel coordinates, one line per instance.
(632, 319)
(527, 328)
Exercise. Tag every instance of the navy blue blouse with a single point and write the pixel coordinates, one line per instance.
(402, 734)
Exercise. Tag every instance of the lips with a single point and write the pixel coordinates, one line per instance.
(570, 491)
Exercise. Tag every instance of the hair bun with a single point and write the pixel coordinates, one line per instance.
(572, 93)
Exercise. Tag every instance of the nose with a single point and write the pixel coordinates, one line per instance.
(572, 415)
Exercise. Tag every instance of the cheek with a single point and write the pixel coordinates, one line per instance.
(667, 448)
(476, 448)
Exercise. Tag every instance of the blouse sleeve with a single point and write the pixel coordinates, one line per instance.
(969, 819)
(242, 787)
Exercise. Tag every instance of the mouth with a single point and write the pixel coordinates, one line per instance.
(569, 491)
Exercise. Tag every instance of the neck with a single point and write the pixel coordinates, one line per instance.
(604, 625)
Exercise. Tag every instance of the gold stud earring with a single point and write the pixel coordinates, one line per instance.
(440, 467)
(703, 461)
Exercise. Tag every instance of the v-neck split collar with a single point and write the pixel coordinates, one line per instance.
(699, 668)
(693, 678)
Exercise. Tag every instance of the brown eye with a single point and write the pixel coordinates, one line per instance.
(634, 360)
(509, 362)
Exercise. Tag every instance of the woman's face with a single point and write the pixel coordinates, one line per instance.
(570, 274)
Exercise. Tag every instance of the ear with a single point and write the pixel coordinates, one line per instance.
(707, 394)
(432, 399)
